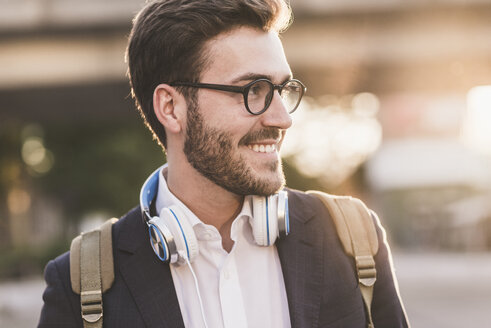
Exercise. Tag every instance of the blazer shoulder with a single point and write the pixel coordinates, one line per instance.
(61, 304)
(303, 199)
(127, 221)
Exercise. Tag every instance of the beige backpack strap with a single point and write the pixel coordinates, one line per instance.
(358, 235)
(92, 271)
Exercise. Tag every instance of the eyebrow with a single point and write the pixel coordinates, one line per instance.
(256, 76)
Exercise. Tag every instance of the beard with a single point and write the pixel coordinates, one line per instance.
(213, 154)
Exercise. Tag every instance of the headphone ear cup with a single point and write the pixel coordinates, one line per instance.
(182, 231)
(264, 221)
(161, 240)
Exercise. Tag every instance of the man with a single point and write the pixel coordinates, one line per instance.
(212, 83)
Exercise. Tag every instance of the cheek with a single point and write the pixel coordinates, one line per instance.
(227, 114)
(222, 106)
(233, 125)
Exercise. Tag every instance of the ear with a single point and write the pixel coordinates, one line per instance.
(169, 107)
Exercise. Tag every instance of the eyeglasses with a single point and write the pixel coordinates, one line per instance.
(258, 94)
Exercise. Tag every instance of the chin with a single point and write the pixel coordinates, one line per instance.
(269, 182)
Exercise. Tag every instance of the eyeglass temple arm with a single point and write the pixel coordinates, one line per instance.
(221, 87)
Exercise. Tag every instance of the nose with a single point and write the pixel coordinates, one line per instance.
(277, 114)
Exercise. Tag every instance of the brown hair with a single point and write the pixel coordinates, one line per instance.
(167, 39)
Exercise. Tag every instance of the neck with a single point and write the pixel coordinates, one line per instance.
(209, 202)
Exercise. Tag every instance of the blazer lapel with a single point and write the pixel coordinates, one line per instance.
(301, 261)
(148, 279)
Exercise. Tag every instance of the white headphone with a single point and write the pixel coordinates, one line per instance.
(172, 237)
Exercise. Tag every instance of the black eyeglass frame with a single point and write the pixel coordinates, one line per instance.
(244, 90)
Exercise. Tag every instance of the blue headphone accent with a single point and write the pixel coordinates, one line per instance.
(267, 220)
(164, 257)
(182, 231)
(287, 219)
(148, 193)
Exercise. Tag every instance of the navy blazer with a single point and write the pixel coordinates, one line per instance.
(320, 279)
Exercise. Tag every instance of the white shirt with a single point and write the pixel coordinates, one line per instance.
(243, 288)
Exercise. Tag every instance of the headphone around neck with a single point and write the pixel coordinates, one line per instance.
(172, 237)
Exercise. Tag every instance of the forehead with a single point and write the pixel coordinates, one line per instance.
(244, 52)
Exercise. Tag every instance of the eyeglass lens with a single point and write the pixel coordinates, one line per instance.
(260, 94)
(291, 94)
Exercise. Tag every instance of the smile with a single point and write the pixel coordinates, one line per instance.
(262, 148)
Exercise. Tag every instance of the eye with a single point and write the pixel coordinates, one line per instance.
(255, 90)
(259, 95)
(258, 90)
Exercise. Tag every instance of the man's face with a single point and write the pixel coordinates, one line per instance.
(232, 148)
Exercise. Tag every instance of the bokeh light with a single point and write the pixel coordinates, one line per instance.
(18, 201)
(35, 155)
(330, 140)
(477, 124)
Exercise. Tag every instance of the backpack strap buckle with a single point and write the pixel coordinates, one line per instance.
(365, 266)
(91, 304)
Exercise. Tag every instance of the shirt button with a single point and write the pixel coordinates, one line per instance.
(226, 274)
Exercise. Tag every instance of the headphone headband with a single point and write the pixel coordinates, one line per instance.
(148, 193)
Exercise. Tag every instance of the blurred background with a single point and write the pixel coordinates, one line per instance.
(398, 113)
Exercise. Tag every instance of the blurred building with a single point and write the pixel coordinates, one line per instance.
(409, 64)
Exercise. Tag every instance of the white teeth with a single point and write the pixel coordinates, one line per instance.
(262, 148)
